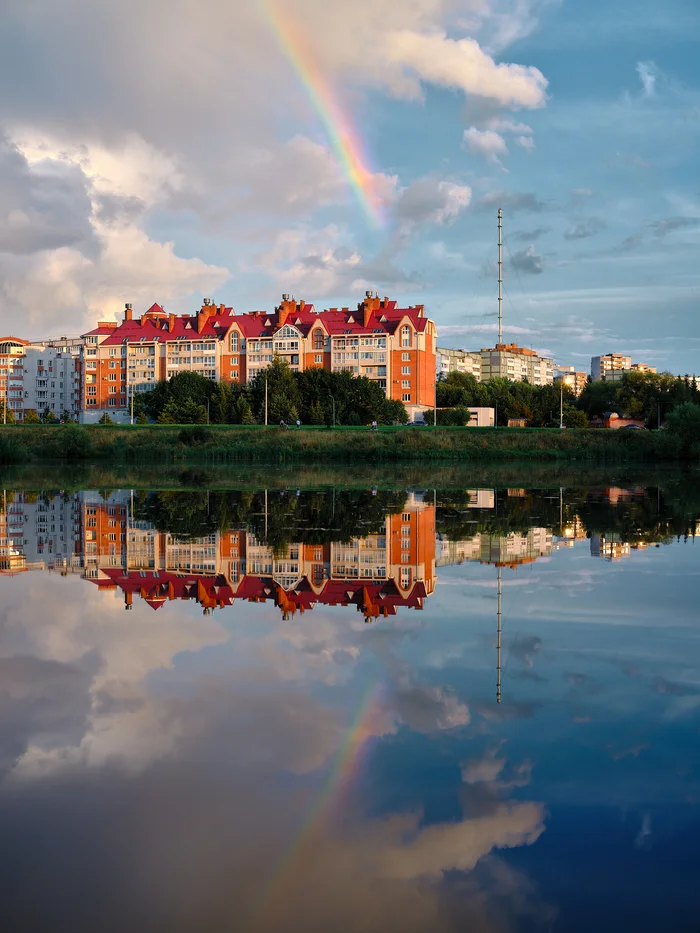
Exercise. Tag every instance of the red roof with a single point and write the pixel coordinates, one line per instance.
(373, 598)
(155, 323)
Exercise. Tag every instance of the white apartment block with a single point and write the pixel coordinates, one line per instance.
(613, 366)
(458, 361)
(40, 377)
(504, 361)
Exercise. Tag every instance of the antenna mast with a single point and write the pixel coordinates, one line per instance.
(500, 276)
(498, 640)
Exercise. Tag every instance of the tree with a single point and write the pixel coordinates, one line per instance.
(315, 415)
(684, 423)
(573, 418)
(47, 415)
(283, 396)
(10, 414)
(186, 411)
(242, 412)
(392, 411)
(141, 418)
(31, 417)
(105, 419)
(454, 417)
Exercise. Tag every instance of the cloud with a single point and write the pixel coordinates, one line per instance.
(461, 64)
(429, 709)
(511, 202)
(455, 330)
(527, 261)
(529, 236)
(45, 206)
(585, 229)
(647, 73)
(486, 143)
(431, 200)
(525, 648)
(662, 228)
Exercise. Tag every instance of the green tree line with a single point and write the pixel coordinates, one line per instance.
(314, 396)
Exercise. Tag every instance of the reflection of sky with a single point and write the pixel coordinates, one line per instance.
(159, 765)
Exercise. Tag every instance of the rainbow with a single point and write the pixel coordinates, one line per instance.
(343, 137)
(346, 764)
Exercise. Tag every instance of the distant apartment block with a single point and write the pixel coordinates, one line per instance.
(40, 376)
(459, 361)
(392, 346)
(505, 360)
(613, 366)
(570, 377)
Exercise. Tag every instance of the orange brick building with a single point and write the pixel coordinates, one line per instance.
(390, 345)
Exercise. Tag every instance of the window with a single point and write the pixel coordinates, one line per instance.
(405, 336)
(112, 377)
(112, 364)
(405, 370)
(405, 356)
(233, 343)
(405, 516)
(405, 383)
(112, 402)
(318, 358)
(318, 339)
(406, 397)
(112, 390)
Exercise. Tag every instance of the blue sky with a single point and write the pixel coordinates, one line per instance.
(177, 155)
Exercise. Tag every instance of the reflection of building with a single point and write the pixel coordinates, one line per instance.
(98, 535)
(508, 550)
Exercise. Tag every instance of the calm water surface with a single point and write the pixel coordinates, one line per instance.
(352, 710)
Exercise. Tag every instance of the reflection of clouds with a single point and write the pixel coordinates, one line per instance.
(525, 649)
(428, 709)
(634, 751)
(643, 839)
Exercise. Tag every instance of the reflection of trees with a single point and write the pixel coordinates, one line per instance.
(276, 518)
(646, 515)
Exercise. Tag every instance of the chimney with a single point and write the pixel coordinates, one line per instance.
(285, 309)
(128, 313)
(171, 322)
(207, 311)
(222, 309)
(368, 307)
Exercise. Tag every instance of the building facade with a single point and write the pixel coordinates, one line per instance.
(458, 361)
(613, 366)
(41, 377)
(395, 347)
(570, 377)
(509, 361)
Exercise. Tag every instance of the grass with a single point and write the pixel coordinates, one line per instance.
(222, 444)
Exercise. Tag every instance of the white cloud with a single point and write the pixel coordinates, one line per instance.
(486, 143)
(648, 74)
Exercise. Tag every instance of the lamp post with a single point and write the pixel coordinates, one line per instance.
(266, 399)
(333, 403)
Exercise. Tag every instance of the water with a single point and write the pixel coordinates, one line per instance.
(471, 707)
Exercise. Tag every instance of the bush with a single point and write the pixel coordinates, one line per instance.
(454, 417)
(105, 419)
(195, 437)
(74, 443)
(141, 418)
(683, 423)
(31, 417)
(11, 450)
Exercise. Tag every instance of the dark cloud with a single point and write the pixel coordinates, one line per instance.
(527, 261)
(113, 208)
(525, 648)
(663, 227)
(42, 207)
(529, 236)
(512, 202)
(585, 229)
(43, 703)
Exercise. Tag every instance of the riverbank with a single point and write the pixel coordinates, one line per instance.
(242, 443)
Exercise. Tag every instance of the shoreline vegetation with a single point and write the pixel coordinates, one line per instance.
(226, 444)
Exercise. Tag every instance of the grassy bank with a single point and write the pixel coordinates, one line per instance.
(219, 444)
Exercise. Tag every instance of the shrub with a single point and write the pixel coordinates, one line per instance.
(141, 418)
(454, 417)
(11, 450)
(74, 443)
(683, 423)
(105, 419)
(195, 437)
(31, 417)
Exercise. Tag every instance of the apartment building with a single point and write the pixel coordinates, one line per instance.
(393, 346)
(40, 377)
(504, 361)
(571, 378)
(613, 366)
(509, 361)
(458, 361)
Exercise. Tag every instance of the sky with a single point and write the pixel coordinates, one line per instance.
(174, 151)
